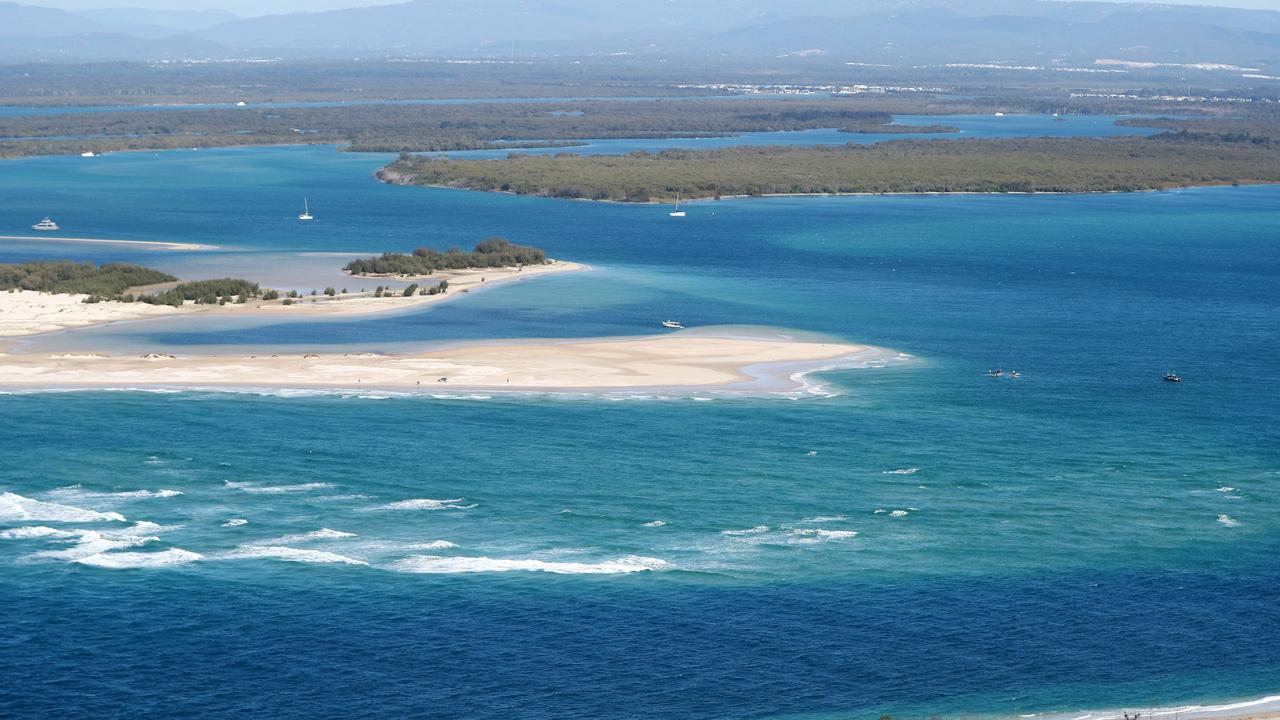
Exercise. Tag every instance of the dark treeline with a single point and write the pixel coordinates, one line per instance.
(206, 292)
(65, 277)
(112, 281)
(491, 253)
(1003, 165)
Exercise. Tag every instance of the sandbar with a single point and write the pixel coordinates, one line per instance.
(138, 244)
(676, 360)
(31, 313)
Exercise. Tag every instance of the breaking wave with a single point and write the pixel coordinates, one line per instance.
(130, 560)
(434, 545)
(14, 507)
(457, 565)
(271, 552)
(427, 504)
(75, 492)
(321, 534)
(259, 489)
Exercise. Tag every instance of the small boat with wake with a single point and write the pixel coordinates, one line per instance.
(672, 325)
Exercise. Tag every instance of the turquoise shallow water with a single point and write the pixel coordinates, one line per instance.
(920, 539)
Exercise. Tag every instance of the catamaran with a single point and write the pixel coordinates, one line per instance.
(677, 212)
(306, 211)
(46, 224)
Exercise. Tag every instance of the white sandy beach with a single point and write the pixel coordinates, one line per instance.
(676, 360)
(30, 313)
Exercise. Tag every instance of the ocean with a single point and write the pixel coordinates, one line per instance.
(917, 539)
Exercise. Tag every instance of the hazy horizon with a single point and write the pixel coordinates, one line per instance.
(267, 7)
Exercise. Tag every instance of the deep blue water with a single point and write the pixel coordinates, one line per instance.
(1085, 536)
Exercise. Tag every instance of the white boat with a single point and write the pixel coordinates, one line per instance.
(999, 114)
(672, 324)
(46, 224)
(241, 104)
(306, 211)
(677, 212)
(89, 153)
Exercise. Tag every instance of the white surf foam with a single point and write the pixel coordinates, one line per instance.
(1259, 707)
(260, 489)
(427, 504)
(655, 523)
(75, 492)
(87, 543)
(434, 545)
(459, 565)
(899, 513)
(1228, 521)
(269, 552)
(825, 518)
(235, 522)
(902, 471)
(16, 508)
(37, 531)
(321, 534)
(131, 560)
(807, 535)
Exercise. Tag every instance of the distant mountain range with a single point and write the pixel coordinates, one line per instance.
(878, 31)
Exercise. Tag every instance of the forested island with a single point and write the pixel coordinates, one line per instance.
(494, 252)
(908, 166)
(112, 281)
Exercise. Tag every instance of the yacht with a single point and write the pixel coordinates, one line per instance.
(88, 153)
(1172, 377)
(677, 212)
(306, 211)
(46, 224)
(672, 324)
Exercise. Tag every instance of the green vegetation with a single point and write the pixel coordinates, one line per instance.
(65, 277)
(110, 281)
(206, 292)
(491, 253)
(1005, 165)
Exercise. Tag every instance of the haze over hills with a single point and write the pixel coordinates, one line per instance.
(883, 31)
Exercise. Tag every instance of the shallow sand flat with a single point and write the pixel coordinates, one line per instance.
(676, 360)
(136, 244)
(30, 313)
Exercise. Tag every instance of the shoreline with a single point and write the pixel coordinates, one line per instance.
(27, 313)
(142, 244)
(1263, 708)
(675, 362)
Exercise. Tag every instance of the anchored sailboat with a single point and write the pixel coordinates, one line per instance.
(306, 211)
(677, 212)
